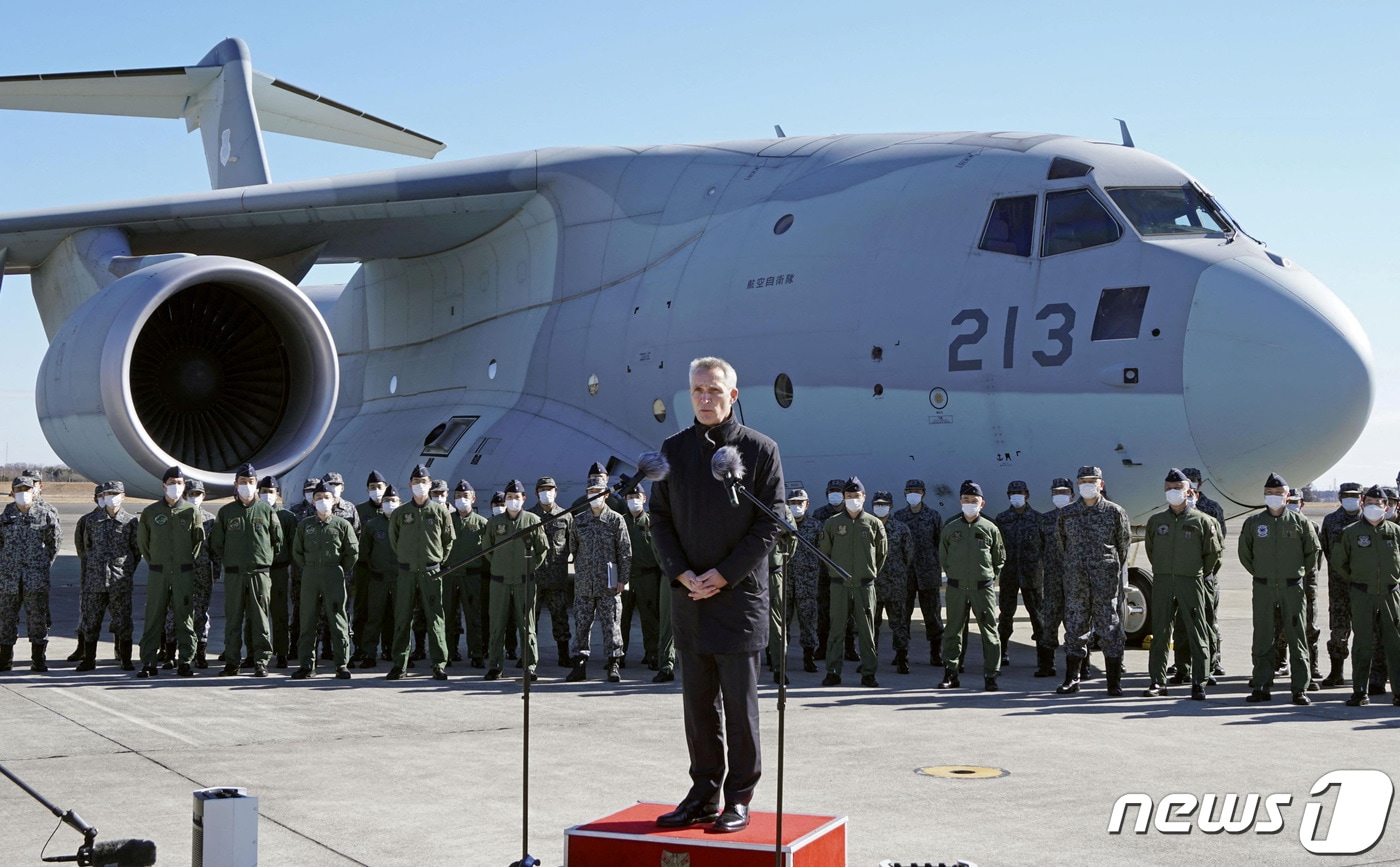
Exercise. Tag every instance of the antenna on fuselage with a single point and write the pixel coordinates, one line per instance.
(1123, 131)
(779, 130)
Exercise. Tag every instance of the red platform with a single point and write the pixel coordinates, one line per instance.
(630, 838)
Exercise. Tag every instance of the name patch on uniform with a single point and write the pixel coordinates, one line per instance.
(1363, 541)
(1263, 531)
(1163, 529)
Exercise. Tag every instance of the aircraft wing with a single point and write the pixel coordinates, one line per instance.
(413, 211)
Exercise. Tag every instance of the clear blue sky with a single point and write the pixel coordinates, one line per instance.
(1285, 110)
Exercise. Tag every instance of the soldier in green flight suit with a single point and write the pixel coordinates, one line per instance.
(170, 535)
(270, 492)
(379, 564)
(246, 536)
(1183, 546)
(1367, 556)
(421, 534)
(1279, 549)
(325, 550)
(856, 541)
(972, 553)
(783, 549)
(653, 592)
(511, 566)
(465, 588)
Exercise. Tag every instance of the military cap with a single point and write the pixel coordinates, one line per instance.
(915, 485)
(389, 493)
(853, 485)
(21, 482)
(438, 486)
(1350, 488)
(324, 487)
(596, 481)
(194, 486)
(464, 487)
(1061, 482)
(545, 482)
(309, 485)
(1018, 487)
(836, 485)
(245, 469)
(1391, 494)
(797, 496)
(333, 478)
(270, 482)
(1376, 491)
(883, 497)
(498, 498)
(597, 469)
(420, 472)
(1295, 494)
(1193, 474)
(172, 473)
(1174, 475)
(96, 490)
(1088, 472)
(970, 489)
(1275, 481)
(376, 478)
(515, 486)
(112, 487)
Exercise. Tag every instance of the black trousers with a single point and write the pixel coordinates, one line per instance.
(720, 694)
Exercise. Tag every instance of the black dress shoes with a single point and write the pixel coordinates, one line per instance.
(689, 813)
(734, 818)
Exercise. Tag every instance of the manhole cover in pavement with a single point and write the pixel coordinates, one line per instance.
(962, 772)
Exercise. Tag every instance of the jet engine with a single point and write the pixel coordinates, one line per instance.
(202, 361)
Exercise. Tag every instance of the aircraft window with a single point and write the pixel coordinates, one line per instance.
(491, 369)
(393, 384)
(658, 409)
(1169, 210)
(784, 223)
(1074, 220)
(1009, 226)
(1063, 167)
(782, 390)
(1119, 316)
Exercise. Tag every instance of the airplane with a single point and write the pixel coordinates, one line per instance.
(946, 306)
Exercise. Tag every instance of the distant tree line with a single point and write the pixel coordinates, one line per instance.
(54, 473)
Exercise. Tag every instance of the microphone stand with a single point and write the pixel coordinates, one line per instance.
(70, 818)
(737, 486)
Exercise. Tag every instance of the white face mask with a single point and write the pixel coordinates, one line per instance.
(24, 498)
(1351, 504)
(173, 492)
(971, 510)
(323, 507)
(834, 498)
(1389, 513)
(309, 498)
(547, 498)
(1088, 492)
(1061, 500)
(1373, 513)
(388, 506)
(855, 504)
(462, 504)
(337, 490)
(1018, 500)
(1176, 496)
(515, 504)
(1195, 486)
(440, 499)
(634, 504)
(913, 499)
(420, 490)
(376, 494)
(246, 492)
(797, 509)
(498, 510)
(269, 498)
(1274, 502)
(197, 500)
(1295, 507)
(881, 510)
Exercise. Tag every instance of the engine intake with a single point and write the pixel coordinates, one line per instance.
(205, 362)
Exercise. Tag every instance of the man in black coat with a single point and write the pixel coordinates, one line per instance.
(716, 556)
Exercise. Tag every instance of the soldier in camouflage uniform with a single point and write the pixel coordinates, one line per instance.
(602, 567)
(79, 652)
(778, 628)
(29, 534)
(1022, 575)
(553, 583)
(1348, 512)
(1214, 509)
(1052, 558)
(803, 574)
(925, 525)
(1096, 537)
(892, 584)
(107, 539)
(206, 571)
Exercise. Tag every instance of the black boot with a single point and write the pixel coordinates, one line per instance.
(89, 657)
(614, 676)
(1334, 677)
(199, 659)
(7, 657)
(809, 660)
(1045, 661)
(80, 653)
(565, 660)
(950, 679)
(901, 661)
(170, 654)
(1115, 676)
(580, 671)
(1073, 665)
(37, 649)
(935, 655)
(1312, 660)
(124, 654)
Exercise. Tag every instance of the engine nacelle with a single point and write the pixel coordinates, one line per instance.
(205, 362)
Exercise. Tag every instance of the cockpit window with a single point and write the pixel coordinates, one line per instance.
(1009, 226)
(1169, 210)
(1074, 220)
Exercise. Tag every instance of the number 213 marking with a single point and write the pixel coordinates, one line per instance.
(1060, 334)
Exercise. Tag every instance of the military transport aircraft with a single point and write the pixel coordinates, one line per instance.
(985, 305)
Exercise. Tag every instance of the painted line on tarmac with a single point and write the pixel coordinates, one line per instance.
(68, 693)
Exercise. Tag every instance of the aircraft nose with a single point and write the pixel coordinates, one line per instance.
(1277, 375)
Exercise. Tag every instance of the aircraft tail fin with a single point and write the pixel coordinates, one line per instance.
(223, 97)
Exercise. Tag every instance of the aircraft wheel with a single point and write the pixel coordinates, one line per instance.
(1137, 614)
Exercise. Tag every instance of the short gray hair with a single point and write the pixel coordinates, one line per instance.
(710, 362)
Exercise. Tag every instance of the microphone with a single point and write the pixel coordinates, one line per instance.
(728, 467)
(124, 853)
(651, 466)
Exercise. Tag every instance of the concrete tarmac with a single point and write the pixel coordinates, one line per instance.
(418, 771)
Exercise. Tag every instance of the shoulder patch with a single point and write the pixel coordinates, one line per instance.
(1262, 531)
(1363, 541)
(1163, 529)
(160, 520)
